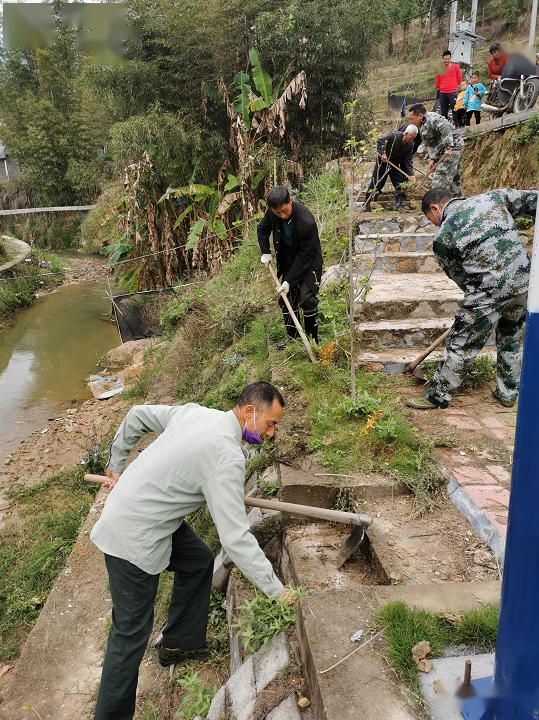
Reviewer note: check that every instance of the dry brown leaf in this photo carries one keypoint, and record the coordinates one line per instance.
(303, 703)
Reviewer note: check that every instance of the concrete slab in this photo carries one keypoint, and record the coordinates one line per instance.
(287, 710)
(320, 488)
(415, 332)
(404, 295)
(438, 687)
(363, 684)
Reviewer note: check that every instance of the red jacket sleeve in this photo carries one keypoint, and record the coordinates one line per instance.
(458, 74)
(437, 81)
(491, 67)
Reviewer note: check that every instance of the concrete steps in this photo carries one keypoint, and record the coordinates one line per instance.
(396, 360)
(397, 262)
(393, 243)
(409, 296)
(420, 332)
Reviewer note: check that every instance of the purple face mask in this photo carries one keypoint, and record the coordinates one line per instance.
(253, 438)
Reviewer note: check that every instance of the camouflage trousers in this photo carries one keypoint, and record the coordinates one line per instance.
(471, 330)
(447, 173)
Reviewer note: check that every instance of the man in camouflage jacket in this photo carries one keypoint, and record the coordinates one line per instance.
(478, 247)
(444, 145)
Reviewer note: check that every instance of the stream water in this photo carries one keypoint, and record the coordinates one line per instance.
(46, 352)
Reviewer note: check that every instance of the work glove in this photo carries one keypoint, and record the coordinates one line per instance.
(284, 288)
(266, 259)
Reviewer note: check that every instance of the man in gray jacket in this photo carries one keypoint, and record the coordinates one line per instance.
(197, 458)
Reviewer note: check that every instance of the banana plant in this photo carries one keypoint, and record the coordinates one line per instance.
(257, 117)
(205, 209)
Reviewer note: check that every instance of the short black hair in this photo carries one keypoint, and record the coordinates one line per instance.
(446, 52)
(260, 394)
(435, 195)
(417, 109)
(494, 47)
(277, 196)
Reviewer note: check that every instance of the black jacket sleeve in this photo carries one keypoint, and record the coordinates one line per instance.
(381, 144)
(308, 249)
(264, 230)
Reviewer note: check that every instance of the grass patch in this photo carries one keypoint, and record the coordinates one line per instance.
(371, 435)
(34, 552)
(404, 627)
(19, 293)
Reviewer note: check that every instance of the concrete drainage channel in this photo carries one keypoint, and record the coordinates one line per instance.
(342, 676)
(265, 685)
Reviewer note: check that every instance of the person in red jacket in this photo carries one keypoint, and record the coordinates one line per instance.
(447, 84)
(497, 61)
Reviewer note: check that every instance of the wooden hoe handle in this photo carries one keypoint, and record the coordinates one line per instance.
(292, 508)
(297, 323)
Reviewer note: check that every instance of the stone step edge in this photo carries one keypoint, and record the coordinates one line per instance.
(406, 324)
(372, 236)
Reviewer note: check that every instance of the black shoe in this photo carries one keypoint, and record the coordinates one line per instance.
(285, 343)
(178, 656)
(398, 202)
(367, 203)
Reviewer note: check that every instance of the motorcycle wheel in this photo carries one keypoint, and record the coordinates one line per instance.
(529, 98)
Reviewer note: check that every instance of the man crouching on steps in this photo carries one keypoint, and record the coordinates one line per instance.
(197, 458)
(478, 247)
(299, 258)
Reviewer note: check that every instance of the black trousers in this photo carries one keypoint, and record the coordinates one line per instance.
(304, 296)
(133, 594)
(382, 171)
(447, 101)
(459, 116)
(468, 118)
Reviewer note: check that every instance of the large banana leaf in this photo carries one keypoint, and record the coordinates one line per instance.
(261, 77)
(194, 234)
(242, 100)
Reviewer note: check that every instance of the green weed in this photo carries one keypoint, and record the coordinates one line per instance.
(481, 371)
(262, 618)
(404, 627)
(197, 696)
(269, 488)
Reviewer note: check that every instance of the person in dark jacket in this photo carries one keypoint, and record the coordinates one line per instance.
(299, 257)
(398, 148)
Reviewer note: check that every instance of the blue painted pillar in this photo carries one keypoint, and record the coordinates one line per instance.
(517, 648)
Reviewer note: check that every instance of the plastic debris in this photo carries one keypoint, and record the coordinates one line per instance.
(356, 637)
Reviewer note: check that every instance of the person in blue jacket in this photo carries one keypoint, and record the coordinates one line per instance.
(472, 99)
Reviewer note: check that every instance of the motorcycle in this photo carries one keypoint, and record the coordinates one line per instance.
(512, 95)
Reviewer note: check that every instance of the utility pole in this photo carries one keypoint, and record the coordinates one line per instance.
(533, 23)
(473, 17)
(453, 17)
(516, 681)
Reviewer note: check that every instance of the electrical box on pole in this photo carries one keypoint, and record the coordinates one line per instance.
(462, 36)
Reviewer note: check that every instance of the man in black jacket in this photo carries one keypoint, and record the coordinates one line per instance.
(298, 254)
(398, 148)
